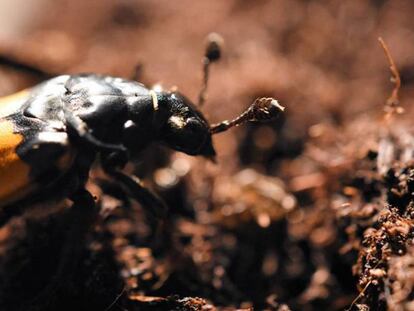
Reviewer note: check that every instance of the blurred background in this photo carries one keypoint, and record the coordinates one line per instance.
(281, 220)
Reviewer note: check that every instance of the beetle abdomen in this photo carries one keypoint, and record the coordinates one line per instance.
(14, 173)
(32, 152)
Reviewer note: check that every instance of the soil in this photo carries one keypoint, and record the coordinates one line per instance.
(314, 211)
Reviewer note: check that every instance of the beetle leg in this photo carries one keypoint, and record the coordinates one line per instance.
(48, 144)
(132, 185)
(113, 160)
(47, 153)
(79, 128)
(155, 206)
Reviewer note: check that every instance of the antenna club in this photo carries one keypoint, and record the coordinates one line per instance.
(214, 46)
(264, 109)
(212, 54)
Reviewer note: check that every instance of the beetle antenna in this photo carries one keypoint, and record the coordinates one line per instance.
(211, 55)
(138, 72)
(263, 109)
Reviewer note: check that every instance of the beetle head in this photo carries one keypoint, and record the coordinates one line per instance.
(185, 128)
(175, 121)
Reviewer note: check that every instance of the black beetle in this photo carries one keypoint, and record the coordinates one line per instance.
(51, 135)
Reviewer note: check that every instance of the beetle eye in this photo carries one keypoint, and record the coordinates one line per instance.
(194, 125)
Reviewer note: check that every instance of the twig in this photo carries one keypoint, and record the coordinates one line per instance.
(361, 293)
(392, 101)
(116, 299)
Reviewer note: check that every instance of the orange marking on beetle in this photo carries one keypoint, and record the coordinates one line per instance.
(14, 173)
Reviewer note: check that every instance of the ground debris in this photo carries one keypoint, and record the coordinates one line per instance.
(311, 212)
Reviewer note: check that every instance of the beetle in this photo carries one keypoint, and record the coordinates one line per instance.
(51, 134)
